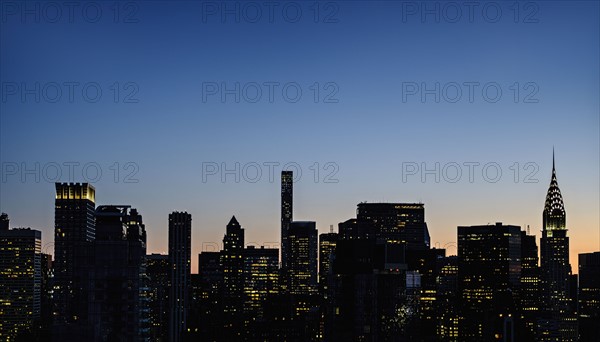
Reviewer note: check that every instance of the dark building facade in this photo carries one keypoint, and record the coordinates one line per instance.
(261, 282)
(74, 233)
(489, 269)
(394, 221)
(302, 273)
(327, 243)
(117, 300)
(158, 272)
(232, 261)
(287, 211)
(20, 282)
(180, 258)
(589, 297)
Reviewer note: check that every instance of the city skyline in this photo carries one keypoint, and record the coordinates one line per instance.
(273, 240)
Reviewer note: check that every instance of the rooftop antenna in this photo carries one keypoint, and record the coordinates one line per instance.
(527, 229)
(331, 228)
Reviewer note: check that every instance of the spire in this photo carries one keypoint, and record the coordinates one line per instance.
(553, 169)
(554, 201)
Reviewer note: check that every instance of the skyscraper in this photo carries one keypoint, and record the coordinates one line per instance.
(529, 302)
(180, 258)
(287, 201)
(261, 275)
(20, 281)
(327, 243)
(589, 297)
(117, 276)
(489, 270)
(74, 232)
(555, 268)
(232, 260)
(302, 272)
(394, 221)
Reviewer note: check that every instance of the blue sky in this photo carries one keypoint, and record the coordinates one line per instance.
(166, 58)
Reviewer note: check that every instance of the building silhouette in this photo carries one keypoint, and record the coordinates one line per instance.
(327, 243)
(558, 321)
(20, 282)
(74, 233)
(261, 282)
(232, 261)
(302, 242)
(589, 297)
(180, 255)
(118, 298)
(158, 272)
(287, 211)
(489, 272)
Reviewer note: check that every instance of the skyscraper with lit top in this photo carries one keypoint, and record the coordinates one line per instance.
(559, 322)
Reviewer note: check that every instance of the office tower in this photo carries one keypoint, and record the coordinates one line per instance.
(20, 281)
(327, 243)
(261, 281)
(158, 272)
(287, 201)
(349, 229)
(207, 305)
(555, 268)
(302, 242)
(394, 221)
(4, 221)
(180, 258)
(489, 269)
(117, 276)
(446, 308)
(367, 292)
(589, 297)
(74, 232)
(529, 302)
(232, 261)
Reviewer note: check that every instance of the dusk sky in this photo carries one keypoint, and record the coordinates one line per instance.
(371, 119)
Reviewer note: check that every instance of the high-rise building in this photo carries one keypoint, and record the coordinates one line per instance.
(558, 309)
(366, 293)
(20, 281)
(446, 307)
(74, 232)
(394, 221)
(261, 280)
(489, 270)
(118, 295)
(302, 272)
(287, 201)
(232, 261)
(327, 243)
(589, 297)
(529, 302)
(207, 299)
(158, 271)
(180, 258)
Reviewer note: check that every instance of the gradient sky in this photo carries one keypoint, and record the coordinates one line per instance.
(369, 50)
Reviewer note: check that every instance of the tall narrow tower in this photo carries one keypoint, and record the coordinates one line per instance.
(74, 233)
(555, 266)
(180, 258)
(287, 191)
